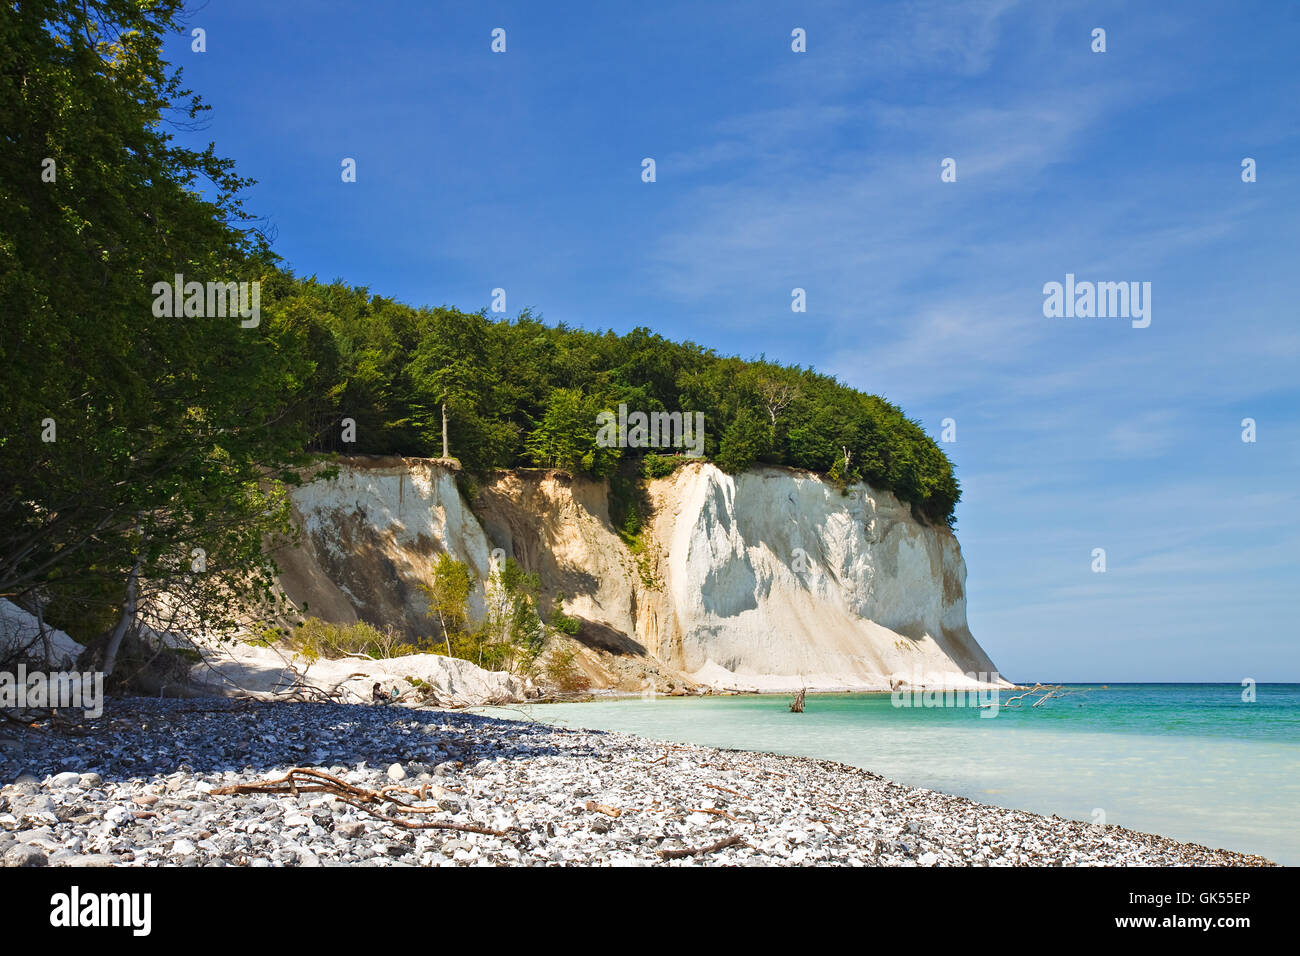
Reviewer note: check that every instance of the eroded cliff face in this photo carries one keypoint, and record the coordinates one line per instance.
(783, 581)
(769, 580)
(368, 537)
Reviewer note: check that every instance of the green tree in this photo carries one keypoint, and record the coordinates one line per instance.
(567, 435)
(744, 441)
(513, 627)
(130, 437)
(448, 593)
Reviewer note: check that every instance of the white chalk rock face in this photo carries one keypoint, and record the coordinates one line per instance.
(770, 580)
(558, 525)
(369, 537)
(776, 580)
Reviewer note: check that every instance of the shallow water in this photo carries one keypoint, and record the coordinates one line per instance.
(1189, 761)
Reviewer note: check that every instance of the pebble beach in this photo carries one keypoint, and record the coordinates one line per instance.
(166, 783)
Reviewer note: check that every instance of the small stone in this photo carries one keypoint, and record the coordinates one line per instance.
(24, 855)
(350, 831)
(396, 772)
(89, 781)
(65, 779)
(38, 805)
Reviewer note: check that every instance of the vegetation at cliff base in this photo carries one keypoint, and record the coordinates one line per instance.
(510, 636)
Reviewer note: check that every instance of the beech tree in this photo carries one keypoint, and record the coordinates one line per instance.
(448, 593)
(566, 437)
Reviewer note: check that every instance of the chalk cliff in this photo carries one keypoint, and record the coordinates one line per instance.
(770, 580)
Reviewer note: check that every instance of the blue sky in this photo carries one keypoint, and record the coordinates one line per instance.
(821, 170)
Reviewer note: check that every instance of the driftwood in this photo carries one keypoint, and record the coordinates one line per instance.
(796, 706)
(305, 780)
(664, 759)
(700, 851)
(718, 813)
(1050, 691)
(714, 786)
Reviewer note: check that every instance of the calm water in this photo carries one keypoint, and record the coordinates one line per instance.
(1189, 761)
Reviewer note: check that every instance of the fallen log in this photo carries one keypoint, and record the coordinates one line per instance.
(363, 798)
(700, 851)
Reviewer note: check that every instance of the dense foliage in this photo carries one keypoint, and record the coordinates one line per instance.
(131, 445)
(521, 392)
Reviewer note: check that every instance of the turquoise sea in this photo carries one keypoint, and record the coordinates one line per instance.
(1190, 761)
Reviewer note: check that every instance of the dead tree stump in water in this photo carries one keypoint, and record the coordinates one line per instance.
(796, 706)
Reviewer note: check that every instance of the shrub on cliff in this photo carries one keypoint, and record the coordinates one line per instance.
(315, 639)
(660, 466)
(562, 671)
(563, 622)
(448, 594)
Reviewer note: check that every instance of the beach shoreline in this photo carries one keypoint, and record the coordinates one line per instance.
(140, 787)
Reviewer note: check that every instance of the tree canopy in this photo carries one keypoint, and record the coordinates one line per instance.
(521, 392)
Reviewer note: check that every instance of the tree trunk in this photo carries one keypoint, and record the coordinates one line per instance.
(124, 622)
(445, 453)
(47, 646)
(445, 636)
